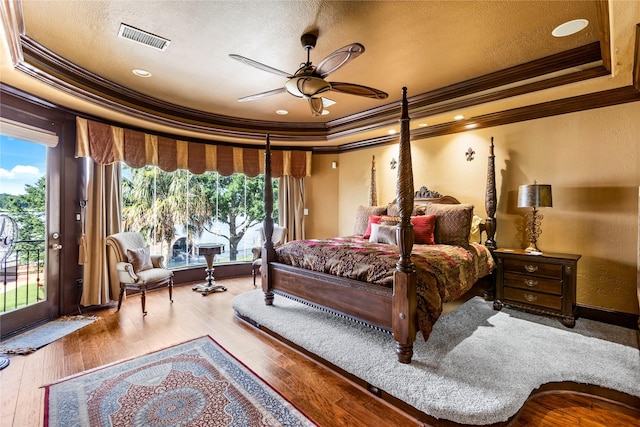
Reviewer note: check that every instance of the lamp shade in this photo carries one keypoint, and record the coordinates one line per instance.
(536, 195)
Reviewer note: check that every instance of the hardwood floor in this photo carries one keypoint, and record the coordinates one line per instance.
(328, 398)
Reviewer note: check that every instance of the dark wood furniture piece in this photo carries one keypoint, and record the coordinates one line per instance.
(542, 284)
(209, 250)
(392, 309)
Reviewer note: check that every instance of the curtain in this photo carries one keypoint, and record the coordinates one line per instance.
(291, 206)
(104, 213)
(106, 144)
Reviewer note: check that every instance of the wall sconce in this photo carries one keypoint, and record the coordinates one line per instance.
(393, 163)
(469, 154)
(334, 165)
(534, 196)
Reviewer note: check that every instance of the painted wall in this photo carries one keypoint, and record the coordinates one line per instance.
(591, 159)
(321, 197)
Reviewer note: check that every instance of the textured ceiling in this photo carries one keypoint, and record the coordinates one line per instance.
(424, 45)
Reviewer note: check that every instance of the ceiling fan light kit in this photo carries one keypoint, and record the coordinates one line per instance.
(307, 86)
(308, 81)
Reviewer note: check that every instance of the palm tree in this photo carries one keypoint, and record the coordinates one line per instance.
(150, 205)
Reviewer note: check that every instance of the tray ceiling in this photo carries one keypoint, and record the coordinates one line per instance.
(425, 46)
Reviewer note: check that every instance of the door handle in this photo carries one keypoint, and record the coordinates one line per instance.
(56, 247)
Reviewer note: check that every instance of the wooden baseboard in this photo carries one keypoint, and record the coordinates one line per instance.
(618, 318)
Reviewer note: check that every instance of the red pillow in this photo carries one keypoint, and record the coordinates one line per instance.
(373, 219)
(424, 227)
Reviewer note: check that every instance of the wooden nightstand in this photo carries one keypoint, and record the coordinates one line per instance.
(543, 284)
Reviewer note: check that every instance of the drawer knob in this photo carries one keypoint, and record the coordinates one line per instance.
(530, 283)
(531, 268)
(530, 298)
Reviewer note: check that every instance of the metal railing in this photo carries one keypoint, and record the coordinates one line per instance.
(22, 276)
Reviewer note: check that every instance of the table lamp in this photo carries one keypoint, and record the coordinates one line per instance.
(534, 196)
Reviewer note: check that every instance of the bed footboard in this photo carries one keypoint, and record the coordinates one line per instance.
(362, 302)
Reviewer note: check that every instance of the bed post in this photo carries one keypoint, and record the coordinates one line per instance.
(404, 321)
(268, 252)
(491, 201)
(373, 188)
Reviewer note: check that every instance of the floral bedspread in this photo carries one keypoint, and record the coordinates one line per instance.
(444, 272)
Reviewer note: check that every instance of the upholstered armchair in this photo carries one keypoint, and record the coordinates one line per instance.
(278, 238)
(131, 265)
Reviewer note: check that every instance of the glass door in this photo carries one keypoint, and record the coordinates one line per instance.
(29, 233)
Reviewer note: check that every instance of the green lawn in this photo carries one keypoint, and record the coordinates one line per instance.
(9, 298)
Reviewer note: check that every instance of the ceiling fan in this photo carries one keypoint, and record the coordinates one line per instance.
(308, 81)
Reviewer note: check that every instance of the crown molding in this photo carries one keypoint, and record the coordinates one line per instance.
(52, 69)
(583, 63)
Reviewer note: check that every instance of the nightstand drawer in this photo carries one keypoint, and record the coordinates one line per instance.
(534, 298)
(533, 267)
(533, 283)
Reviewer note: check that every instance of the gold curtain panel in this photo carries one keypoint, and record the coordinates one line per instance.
(107, 144)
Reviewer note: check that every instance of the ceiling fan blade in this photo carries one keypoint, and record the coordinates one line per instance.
(262, 94)
(316, 106)
(359, 90)
(339, 58)
(259, 65)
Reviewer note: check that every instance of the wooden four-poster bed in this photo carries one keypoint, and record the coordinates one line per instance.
(404, 304)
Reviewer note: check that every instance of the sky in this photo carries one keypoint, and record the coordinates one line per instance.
(21, 163)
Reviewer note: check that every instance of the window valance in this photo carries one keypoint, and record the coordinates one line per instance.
(106, 144)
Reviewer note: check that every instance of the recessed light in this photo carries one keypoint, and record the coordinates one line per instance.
(392, 132)
(141, 73)
(471, 125)
(570, 28)
(459, 117)
(422, 125)
(282, 112)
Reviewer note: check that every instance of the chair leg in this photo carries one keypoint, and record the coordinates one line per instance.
(143, 299)
(253, 272)
(120, 297)
(171, 289)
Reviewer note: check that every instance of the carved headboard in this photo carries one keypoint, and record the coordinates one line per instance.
(424, 195)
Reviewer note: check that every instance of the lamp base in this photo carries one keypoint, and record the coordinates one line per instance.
(532, 247)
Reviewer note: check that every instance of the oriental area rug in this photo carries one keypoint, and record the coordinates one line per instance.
(479, 365)
(197, 383)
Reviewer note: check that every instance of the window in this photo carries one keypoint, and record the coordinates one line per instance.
(176, 211)
(22, 221)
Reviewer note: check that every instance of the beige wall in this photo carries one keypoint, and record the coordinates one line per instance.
(591, 158)
(321, 198)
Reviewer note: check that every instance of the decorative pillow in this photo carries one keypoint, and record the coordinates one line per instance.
(392, 210)
(383, 234)
(140, 259)
(389, 220)
(373, 219)
(419, 210)
(424, 228)
(362, 217)
(453, 223)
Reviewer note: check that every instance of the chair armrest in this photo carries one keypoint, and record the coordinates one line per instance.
(126, 273)
(257, 252)
(158, 261)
